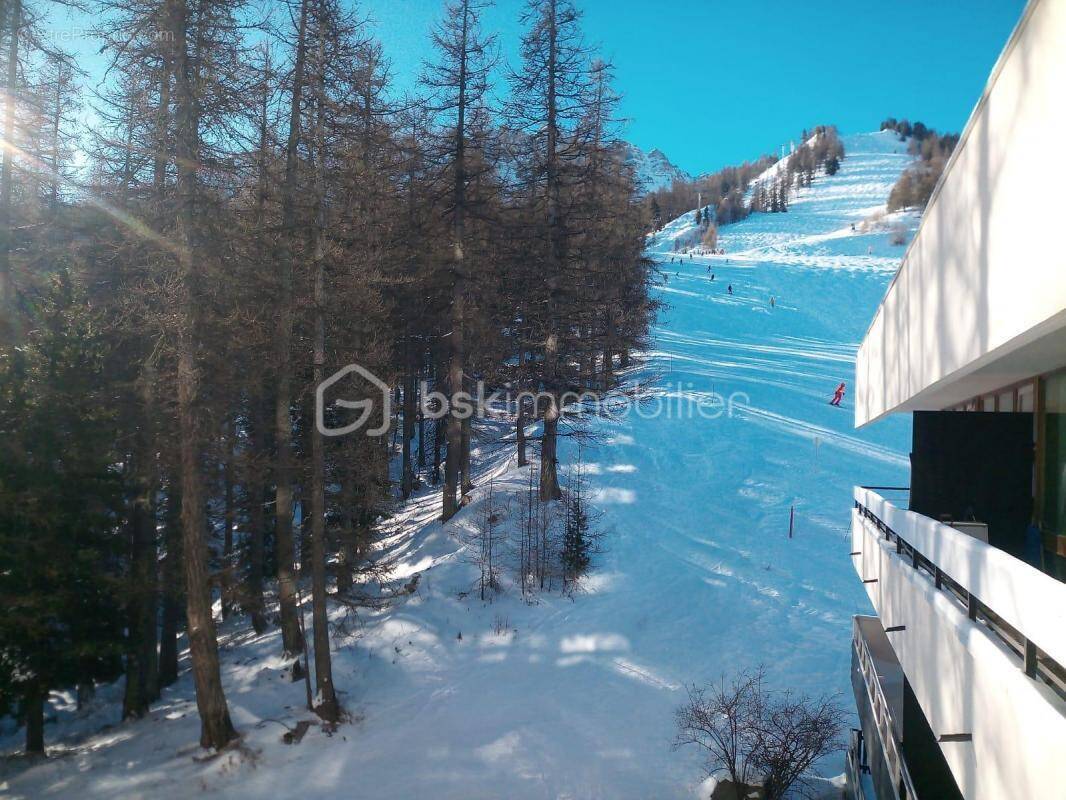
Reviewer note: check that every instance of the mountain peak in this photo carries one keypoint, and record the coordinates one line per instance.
(653, 168)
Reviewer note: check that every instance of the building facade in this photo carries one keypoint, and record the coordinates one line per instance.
(960, 679)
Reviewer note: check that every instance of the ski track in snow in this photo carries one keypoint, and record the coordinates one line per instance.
(575, 698)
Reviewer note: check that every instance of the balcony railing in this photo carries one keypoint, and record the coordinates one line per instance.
(882, 719)
(1022, 606)
(853, 766)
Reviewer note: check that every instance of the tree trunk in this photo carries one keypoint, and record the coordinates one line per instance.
(53, 199)
(454, 425)
(410, 412)
(302, 494)
(159, 167)
(292, 641)
(410, 395)
(520, 432)
(326, 699)
(520, 420)
(216, 729)
(421, 437)
(438, 440)
(142, 664)
(256, 490)
(467, 481)
(608, 352)
(397, 409)
(549, 477)
(453, 467)
(8, 315)
(34, 711)
(168, 593)
(172, 594)
(326, 707)
(150, 481)
(255, 479)
(346, 566)
(85, 692)
(226, 581)
(549, 481)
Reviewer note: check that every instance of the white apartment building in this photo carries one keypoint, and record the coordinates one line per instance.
(960, 679)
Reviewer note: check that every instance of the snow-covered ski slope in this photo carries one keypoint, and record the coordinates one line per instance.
(575, 698)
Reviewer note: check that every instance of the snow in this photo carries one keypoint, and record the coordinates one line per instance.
(574, 697)
(653, 169)
(767, 176)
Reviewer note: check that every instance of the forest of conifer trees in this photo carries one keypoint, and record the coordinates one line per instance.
(732, 193)
(242, 207)
(932, 151)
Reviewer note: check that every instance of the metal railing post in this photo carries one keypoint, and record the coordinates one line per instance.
(1029, 662)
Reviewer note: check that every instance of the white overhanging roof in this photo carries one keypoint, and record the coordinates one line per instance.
(979, 301)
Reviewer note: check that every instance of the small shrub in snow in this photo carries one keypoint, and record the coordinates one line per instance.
(710, 237)
(556, 542)
(486, 542)
(874, 222)
(581, 539)
(538, 541)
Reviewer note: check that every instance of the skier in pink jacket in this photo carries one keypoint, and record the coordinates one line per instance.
(838, 395)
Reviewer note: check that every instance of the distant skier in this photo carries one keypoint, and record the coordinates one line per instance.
(838, 395)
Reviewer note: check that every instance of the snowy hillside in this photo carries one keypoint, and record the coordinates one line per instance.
(653, 169)
(574, 698)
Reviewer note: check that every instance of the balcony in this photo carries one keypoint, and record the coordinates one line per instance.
(855, 768)
(980, 638)
(876, 764)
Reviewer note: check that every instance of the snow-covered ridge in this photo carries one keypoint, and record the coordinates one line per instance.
(771, 174)
(840, 221)
(653, 169)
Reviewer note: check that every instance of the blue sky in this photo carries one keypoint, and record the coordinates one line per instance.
(712, 82)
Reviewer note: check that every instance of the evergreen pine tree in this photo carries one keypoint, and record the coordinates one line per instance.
(60, 510)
